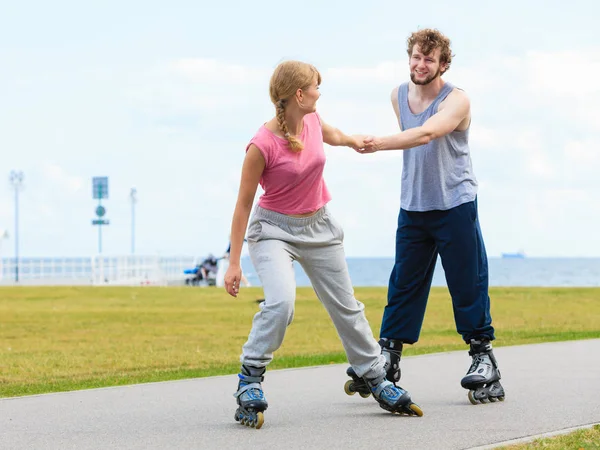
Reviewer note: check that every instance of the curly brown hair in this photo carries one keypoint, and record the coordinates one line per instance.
(428, 40)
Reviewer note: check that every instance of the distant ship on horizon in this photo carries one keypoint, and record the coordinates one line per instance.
(518, 255)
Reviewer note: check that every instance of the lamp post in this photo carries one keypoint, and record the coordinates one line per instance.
(133, 199)
(16, 180)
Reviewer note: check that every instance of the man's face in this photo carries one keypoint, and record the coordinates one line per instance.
(424, 68)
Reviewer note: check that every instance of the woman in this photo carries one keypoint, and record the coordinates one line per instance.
(291, 222)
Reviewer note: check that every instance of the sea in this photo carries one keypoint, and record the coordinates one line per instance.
(511, 271)
(528, 271)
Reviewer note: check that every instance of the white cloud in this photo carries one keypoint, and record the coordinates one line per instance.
(197, 86)
(539, 165)
(531, 142)
(386, 72)
(562, 74)
(202, 70)
(486, 138)
(581, 162)
(59, 177)
(560, 82)
(551, 210)
(585, 153)
(5, 212)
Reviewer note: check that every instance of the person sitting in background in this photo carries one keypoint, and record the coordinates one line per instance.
(208, 266)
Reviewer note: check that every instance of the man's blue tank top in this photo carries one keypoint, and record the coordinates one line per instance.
(438, 175)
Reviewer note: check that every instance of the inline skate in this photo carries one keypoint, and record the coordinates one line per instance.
(250, 397)
(392, 398)
(391, 349)
(483, 377)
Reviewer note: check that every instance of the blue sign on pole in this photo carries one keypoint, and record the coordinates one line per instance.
(99, 192)
(100, 187)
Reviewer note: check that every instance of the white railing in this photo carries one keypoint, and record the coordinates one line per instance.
(128, 270)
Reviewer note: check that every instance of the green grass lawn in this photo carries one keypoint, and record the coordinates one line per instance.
(586, 439)
(66, 338)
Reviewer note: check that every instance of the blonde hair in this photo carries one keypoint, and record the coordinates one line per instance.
(288, 77)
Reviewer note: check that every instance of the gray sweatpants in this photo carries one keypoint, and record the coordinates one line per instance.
(275, 241)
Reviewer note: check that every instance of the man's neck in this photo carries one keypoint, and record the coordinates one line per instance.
(428, 91)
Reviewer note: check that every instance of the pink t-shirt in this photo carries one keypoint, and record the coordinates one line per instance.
(293, 181)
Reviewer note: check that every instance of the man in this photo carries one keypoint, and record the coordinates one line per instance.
(438, 215)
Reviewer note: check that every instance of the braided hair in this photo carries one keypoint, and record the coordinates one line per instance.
(288, 77)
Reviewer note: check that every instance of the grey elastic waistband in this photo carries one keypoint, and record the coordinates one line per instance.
(288, 220)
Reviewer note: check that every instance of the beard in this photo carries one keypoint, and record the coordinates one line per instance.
(427, 80)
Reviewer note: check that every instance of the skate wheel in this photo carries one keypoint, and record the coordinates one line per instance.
(260, 419)
(493, 399)
(364, 394)
(472, 398)
(236, 417)
(501, 398)
(348, 386)
(416, 410)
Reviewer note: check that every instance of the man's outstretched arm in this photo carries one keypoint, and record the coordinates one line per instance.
(440, 124)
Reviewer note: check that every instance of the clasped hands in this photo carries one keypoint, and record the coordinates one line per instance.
(365, 144)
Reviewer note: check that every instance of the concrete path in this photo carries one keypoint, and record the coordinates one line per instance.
(549, 387)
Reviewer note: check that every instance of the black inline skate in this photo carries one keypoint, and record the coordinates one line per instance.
(250, 397)
(391, 349)
(483, 377)
(356, 384)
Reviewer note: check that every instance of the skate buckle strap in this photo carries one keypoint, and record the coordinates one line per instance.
(393, 393)
(375, 381)
(243, 389)
(480, 351)
(392, 345)
(251, 379)
(480, 346)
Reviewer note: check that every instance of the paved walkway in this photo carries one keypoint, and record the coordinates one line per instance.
(549, 387)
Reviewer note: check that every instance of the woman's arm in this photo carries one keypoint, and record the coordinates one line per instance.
(252, 169)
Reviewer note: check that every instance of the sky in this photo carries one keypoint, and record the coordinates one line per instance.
(163, 97)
